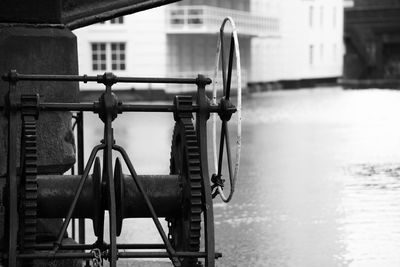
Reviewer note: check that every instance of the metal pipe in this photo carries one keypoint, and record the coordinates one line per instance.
(149, 205)
(151, 254)
(81, 166)
(125, 107)
(82, 180)
(156, 254)
(88, 255)
(92, 246)
(67, 106)
(59, 255)
(102, 79)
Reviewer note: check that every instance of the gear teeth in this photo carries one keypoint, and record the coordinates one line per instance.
(184, 233)
(29, 184)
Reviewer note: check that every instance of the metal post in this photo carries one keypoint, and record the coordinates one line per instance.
(107, 163)
(201, 126)
(12, 192)
(81, 159)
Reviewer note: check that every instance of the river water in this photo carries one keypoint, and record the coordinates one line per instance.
(319, 181)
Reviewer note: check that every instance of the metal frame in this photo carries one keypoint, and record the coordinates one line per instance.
(108, 108)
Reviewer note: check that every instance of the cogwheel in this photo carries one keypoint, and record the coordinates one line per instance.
(29, 186)
(185, 227)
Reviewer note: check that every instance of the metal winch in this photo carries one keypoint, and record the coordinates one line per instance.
(184, 196)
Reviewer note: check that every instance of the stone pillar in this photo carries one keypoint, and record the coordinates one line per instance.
(42, 49)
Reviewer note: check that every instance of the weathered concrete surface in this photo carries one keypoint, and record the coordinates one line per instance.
(40, 50)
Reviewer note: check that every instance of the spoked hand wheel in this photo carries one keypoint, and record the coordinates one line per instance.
(226, 110)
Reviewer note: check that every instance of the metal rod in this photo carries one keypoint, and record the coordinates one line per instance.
(228, 154)
(12, 221)
(201, 126)
(102, 79)
(108, 137)
(149, 108)
(81, 159)
(221, 147)
(157, 223)
(125, 107)
(157, 80)
(107, 106)
(88, 255)
(141, 246)
(77, 194)
(64, 246)
(151, 254)
(73, 228)
(61, 255)
(223, 63)
(92, 246)
(73, 222)
(67, 106)
(230, 62)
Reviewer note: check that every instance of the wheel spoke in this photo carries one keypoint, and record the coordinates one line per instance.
(227, 87)
(228, 154)
(221, 148)
(223, 63)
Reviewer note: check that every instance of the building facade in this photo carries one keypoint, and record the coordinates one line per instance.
(279, 40)
(309, 46)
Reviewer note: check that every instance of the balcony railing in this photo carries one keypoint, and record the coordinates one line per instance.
(207, 19)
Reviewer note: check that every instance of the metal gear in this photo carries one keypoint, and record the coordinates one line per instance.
(185, 227)
(29, 186)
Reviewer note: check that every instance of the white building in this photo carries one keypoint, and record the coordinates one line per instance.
(279, 40)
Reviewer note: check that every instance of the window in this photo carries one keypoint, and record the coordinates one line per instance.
(117, 56)
(195, 16)
(108, 56)
(99, 56)
(177, 16)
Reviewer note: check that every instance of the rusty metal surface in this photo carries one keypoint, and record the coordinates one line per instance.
(154, 196)
(57, 191)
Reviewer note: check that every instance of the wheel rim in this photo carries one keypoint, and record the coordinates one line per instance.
(226, 71)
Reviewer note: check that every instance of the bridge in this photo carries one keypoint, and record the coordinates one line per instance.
(372, 40)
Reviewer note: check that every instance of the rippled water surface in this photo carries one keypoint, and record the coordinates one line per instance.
(319, 180)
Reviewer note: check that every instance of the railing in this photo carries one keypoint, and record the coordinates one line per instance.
(176, 88)
(207, 19)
